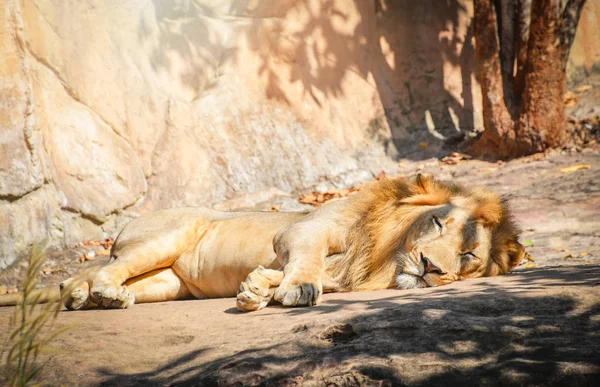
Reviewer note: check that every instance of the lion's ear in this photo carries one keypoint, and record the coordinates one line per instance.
(425, 192)
(515, 252)
(506, 257)
(425, 183)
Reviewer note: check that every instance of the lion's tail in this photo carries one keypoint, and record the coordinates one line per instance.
(38, 296)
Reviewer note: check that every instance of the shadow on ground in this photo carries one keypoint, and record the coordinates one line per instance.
(543, 329)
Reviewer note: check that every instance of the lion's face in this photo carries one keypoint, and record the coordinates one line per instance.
(448, 242)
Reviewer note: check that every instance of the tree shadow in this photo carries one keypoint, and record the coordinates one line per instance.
(311, 50)
(490, 336)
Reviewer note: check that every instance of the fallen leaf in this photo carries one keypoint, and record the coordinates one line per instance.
(50, 270)
(275, 208)
(570, 99)
(570, 256)
(575, 168)
(318, 198)
(423, 144)
(107, 243)
(583, 88)
(488, 170)
(584, 254)
(530, 265)
(528, 243)
(455, 157)
(534, 157)
(529, 257)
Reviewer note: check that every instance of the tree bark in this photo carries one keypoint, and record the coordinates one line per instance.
(499, 134)
(529, 117)
(505, 9)
(523, 17)
(542, 119)
(570, 19)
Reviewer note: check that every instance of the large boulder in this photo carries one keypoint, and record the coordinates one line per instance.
(108, 110)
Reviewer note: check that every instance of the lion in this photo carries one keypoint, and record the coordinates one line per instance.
(395, 233)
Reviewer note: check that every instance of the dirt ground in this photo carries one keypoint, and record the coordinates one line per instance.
(537, 326)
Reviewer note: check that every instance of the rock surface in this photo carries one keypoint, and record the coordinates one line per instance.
(112, 109)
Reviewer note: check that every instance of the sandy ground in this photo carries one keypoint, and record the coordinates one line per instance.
(536, 326)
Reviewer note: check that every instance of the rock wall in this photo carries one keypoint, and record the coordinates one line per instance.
(109, 109)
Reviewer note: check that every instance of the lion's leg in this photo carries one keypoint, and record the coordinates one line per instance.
(108, 284)
(158, 285)
(302, 252)
(76, 293)
(301, 249)
(258, 289)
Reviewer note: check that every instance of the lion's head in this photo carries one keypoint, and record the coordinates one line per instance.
(421, 232)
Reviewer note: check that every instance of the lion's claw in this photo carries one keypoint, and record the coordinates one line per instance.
(112, 297)
(306, 294)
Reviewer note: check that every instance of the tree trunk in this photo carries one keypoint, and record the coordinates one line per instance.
(522, 18)
(529, 117)
(499, 135)
(542, 120)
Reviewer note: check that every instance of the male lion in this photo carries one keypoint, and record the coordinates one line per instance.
(396, 233)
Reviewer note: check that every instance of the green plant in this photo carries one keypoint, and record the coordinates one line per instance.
(31, 325)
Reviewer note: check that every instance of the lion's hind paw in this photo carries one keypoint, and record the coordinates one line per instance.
(258, 288)
(76, 294)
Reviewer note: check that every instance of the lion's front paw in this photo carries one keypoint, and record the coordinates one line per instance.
(306, 294)
(112, 297)
(256, 292)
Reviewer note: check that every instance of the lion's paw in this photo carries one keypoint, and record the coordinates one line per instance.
(306, 294)
(110, 297)
(76, 295)
(258, 288)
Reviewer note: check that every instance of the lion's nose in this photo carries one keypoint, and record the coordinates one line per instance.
(430, 267)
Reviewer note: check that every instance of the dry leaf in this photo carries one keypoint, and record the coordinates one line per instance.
(575, 168)
(570, 256)
(318, 198)
(50, 270)
(455, 157)
(584, 254)
(534, 157)
(488, 170)
(583, 88)
(275, 208)
(530, 265)
(107, 243)
(528, 257)
(570, 99)
(423, 144)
